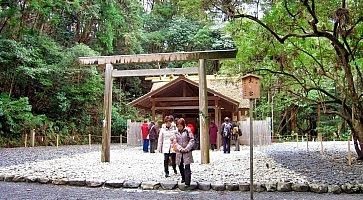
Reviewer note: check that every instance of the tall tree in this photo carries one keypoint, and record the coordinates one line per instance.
(335, 28)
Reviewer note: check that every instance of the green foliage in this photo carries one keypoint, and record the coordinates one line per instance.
(16, 116)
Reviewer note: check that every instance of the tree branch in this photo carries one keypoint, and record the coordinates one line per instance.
(326, 93)
(311, 10)
(349, 31)
(279, 38)
(283, 73)
(288, 10)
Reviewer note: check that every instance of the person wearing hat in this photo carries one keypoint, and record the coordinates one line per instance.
(226, 132)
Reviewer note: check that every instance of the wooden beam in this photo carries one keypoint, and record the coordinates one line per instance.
(180, 108)
(158, 57)
(107, 107)
(158, 99)
(154, 72)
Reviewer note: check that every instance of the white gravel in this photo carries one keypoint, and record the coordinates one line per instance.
(277, 162)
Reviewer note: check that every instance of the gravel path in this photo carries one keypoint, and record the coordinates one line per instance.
(279, 162)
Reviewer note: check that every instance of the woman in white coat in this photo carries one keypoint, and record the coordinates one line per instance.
(167, 133)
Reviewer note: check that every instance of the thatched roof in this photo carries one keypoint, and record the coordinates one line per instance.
(228, 86)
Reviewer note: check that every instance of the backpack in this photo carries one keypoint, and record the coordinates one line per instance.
(195, 145)
(227, 129)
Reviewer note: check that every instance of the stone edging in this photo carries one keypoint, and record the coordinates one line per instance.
(205, 186)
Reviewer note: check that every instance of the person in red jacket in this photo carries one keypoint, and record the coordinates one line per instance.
(191, 127)
(213, 131)
(145, 136)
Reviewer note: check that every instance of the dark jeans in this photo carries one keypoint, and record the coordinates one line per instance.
(185, 172)
(166, 162)
(226, 145)
(153, 145)
(213, 146)
(145, 146)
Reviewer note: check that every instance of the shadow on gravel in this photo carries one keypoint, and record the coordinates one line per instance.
(330, 167)
(16, 156)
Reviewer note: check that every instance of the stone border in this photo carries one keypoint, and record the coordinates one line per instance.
(348, 188)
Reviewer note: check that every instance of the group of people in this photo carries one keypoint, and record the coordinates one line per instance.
(229, 132)
(176, 141)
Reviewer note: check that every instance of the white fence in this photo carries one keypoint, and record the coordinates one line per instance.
(134, 133)
(261, 132)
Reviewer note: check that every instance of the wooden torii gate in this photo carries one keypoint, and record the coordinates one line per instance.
(111, 73)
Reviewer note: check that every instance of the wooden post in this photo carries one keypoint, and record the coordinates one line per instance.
(297, 140)
(320, 138)
(121, 138)
(251, 148)
(219, 138)
(107, 107)
(57, 140)
(203, 113)
(307, 142)
(349, 152)
(89, 140)
(33, 137)
(26, 140)
(216, 120)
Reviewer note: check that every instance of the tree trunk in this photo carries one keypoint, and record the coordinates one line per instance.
(357, 131)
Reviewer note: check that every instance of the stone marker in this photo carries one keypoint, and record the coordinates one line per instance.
(244, 187)
(284, 186)
(77, 181)
(183, 187)
(205, 186)
(95, 182)
(319, 188)
(150, 185)
(300, 187)
(232, 186)
(114, 183)
(271, 187)
(335, 189)
(218, 186)
(132, 184)
(168, 185)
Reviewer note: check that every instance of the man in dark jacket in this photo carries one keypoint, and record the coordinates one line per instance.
(153, 136)
(226, 132)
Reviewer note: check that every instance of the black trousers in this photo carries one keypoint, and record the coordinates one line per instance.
(166, 162)
(153, 145)
(185, 172)
(226, 144)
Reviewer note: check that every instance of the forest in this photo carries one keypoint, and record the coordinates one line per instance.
(309, 53)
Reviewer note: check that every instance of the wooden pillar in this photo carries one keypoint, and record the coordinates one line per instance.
(216, 119)
(251, 148)
(33, 137)
(203, 113)
(153, 117)
(219, 138)
(107, 108)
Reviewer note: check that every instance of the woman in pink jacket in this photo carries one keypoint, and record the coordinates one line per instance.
(183, 145)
